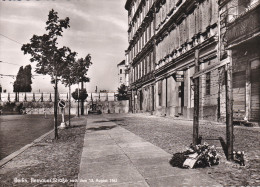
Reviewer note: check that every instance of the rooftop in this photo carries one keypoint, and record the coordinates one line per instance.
(121, 63)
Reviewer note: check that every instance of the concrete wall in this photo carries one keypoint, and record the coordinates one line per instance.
(104, 106)
(46, 96)
(39, 107)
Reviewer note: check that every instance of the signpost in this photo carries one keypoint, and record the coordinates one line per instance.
(62, 105)
(179, 76)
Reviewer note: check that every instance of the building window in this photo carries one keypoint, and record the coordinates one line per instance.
(145, 66)
(120, 71)
(208, 83)
(143, 70)
(133, 75)
(160, 92)
(150, 32)
(242, 5)
(120, 79)
(136, 73)
(140, 70)
(151, 61)
(146, 36)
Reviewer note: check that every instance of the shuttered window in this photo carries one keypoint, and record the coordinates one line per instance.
(160, 92)
(239, 96)
(208, 83)
(255, 93)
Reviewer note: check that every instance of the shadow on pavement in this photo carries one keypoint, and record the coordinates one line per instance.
(102, 121)
(110, 120)
(115, 120)
(75, 126)
(101, 128)
(224, 146)
(122, 124)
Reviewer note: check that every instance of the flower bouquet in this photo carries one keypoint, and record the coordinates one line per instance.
(202, 155)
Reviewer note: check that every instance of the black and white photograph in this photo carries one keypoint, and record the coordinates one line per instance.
(129, 93)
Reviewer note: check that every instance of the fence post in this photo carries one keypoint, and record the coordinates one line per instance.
(196, 101)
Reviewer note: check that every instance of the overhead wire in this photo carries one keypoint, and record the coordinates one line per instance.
(11, 39)
(9, 63)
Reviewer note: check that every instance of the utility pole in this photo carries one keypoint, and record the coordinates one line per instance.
(196, 101)
(229, 109)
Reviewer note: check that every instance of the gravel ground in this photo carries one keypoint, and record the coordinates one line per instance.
(56, 160)
(176, 135)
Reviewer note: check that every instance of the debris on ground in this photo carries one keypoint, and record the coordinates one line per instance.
(202, 155)
(239, 157)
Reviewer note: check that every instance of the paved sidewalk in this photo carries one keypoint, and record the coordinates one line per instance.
(113, 156)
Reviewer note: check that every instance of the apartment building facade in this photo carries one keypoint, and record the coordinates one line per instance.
(162, 66)
(140, 54)
(242, 38)
(163, 38)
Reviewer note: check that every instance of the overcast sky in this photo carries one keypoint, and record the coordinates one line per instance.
(97, 27)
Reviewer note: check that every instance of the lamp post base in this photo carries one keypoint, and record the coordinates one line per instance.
(63, 125)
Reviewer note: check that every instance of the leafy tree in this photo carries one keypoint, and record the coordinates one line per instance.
(23, 80)
(68, 78)
(18, 82)
(51, 60)
(122, 92)
(80, 95)
(75, 72)
(27, 73)
(80, 70)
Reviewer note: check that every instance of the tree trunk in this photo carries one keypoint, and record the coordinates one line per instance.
(56, 109)
(16, 97)
(69, 102)
(78, 99)
(82, 101)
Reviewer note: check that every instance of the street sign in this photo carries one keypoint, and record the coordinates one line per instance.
(62, 104)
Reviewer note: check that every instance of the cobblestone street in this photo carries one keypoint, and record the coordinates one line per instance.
(174, 135)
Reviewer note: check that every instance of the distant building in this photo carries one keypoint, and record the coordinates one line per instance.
(122, 76)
